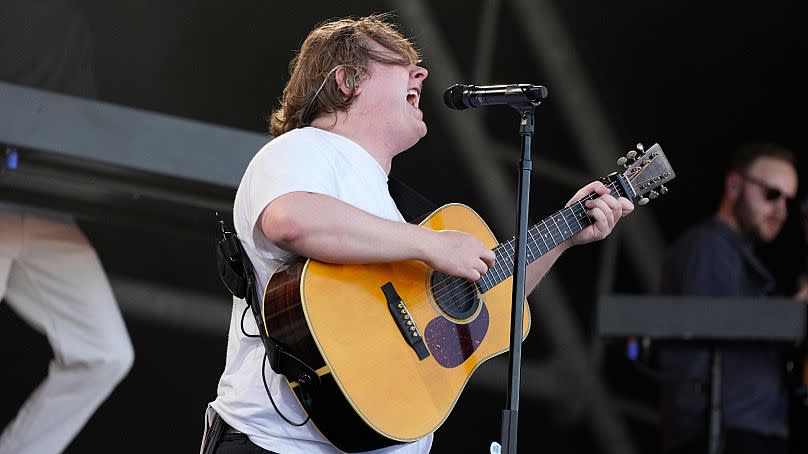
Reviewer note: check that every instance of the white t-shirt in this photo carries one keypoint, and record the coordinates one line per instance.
(309, 160)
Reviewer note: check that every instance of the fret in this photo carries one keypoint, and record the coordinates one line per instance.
(486, 278)
(542, 237)
(584, 217)
(546, 234)
(505, 260)
(571, 220)
(529, 248)
(534, 246)
(511, 255)
(569, 230)
(536, 235)
(506, 268)
(577, 217)
(500, 270)
(499, 265)
(557, 229)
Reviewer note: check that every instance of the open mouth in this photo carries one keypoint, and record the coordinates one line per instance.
(413, 97)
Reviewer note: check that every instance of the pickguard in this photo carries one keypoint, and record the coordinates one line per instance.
(452, 343)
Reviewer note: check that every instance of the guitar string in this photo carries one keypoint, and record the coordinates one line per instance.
(471, 289)
(470, 292)
(418, 299)
(460, 282)
(468, 287)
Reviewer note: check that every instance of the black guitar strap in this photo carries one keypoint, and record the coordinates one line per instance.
(238, 275)
(412, 205)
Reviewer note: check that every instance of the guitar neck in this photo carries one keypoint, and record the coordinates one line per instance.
(542, 237)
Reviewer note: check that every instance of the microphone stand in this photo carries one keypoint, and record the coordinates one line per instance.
(524, 98)
(510, 416)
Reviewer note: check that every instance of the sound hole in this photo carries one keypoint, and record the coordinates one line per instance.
(455, 296)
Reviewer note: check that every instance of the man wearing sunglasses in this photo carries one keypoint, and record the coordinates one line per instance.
(716, 259)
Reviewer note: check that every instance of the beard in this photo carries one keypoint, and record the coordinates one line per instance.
(749, 229)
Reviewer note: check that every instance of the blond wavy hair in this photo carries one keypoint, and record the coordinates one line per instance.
(312, 89)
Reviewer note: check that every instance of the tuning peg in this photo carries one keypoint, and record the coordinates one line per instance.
(640, 147)
(622, 161)
(653, 194)
(642, 201)
(632, 154)
(663, 190)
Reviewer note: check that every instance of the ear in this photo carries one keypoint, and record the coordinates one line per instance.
(732, 184)
(348, 81)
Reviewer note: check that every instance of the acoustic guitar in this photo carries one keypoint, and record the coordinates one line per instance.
(394, 344)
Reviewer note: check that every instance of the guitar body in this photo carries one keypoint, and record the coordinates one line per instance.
(377, 390)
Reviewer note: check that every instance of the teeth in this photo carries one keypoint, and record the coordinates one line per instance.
(412, 97)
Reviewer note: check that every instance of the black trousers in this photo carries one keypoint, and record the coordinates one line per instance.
(238, 443)
(220, 438)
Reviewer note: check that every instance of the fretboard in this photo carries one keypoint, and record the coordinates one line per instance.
(541, 238)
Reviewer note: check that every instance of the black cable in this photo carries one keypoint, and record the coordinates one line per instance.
(240, 280)
(264, 376)
(266, 387)
(242, 324)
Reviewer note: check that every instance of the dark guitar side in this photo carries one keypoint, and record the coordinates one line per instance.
(332, 414)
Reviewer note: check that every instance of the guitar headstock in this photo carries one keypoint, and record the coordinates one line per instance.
(645, 174)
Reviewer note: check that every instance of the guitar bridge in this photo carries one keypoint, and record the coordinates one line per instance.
(404, 321)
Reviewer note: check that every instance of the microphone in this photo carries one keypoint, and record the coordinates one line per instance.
(461, 97)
